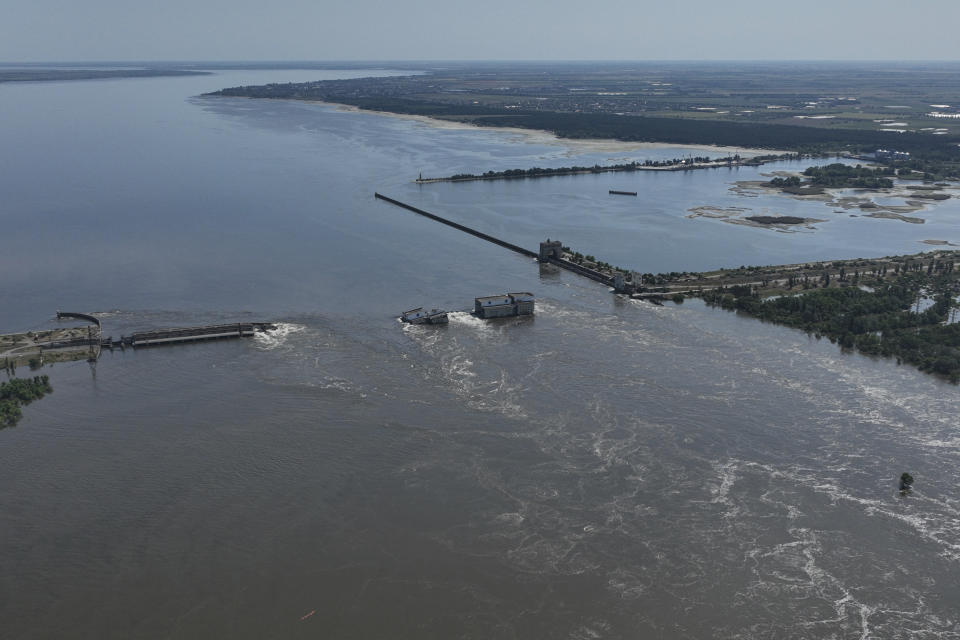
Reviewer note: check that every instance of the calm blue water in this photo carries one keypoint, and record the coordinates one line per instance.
(607, 469)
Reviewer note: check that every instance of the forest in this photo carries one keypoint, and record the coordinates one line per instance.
(888, 319)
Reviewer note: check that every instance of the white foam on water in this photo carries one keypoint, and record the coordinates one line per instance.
(881, 399)
(466, 319)
(109, 314)
(454, 355)
(513, 518)
(592, 631)
(728, 475)
(796, 568)
(649, 307)
(940, 527)
(423, 334)
(628, 585)
(277, 337)
(324, 384)
(953, 443)
(792, 568)
(499, 395)
(336, 383)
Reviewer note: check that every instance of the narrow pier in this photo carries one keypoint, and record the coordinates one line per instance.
(553, 257)
(455, 225)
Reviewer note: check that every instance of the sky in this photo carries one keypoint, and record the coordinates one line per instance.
(143, 30)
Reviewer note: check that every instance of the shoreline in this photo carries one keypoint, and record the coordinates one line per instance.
(542, 136)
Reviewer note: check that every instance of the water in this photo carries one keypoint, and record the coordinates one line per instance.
(606, 469)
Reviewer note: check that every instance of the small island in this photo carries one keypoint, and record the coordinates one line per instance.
(788, 220)
(735, 215)
(867, 191)
(675, 164)
(836, 176)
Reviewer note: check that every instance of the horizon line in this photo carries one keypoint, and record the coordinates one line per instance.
(369, 61)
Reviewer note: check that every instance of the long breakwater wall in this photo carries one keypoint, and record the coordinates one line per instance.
(563, 264)
(461, 227)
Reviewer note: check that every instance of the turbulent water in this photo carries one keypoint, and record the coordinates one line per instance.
(605, 469)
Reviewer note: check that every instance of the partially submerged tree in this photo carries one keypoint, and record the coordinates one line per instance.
(906, 481)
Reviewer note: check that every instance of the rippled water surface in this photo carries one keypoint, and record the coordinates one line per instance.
(605, 469)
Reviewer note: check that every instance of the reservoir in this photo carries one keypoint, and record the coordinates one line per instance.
(604, 469)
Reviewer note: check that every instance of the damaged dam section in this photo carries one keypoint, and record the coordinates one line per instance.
(36, 348)
(896, 306)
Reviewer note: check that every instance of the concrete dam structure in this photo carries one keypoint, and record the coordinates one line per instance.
(504, 306)
(550, 252)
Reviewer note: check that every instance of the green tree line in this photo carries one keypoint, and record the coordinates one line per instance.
(537, 172)
(881, 322)
(842, 175)
(18, 392)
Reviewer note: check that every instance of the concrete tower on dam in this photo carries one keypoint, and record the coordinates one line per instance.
(551, 249)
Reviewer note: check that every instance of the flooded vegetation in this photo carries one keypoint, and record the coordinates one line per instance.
(17, 392)
(877, 320)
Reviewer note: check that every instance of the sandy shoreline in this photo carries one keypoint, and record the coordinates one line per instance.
(864, 203)
(539, 136)
(736, 215)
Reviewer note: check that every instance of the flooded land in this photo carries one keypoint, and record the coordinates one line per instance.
(607, 468)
